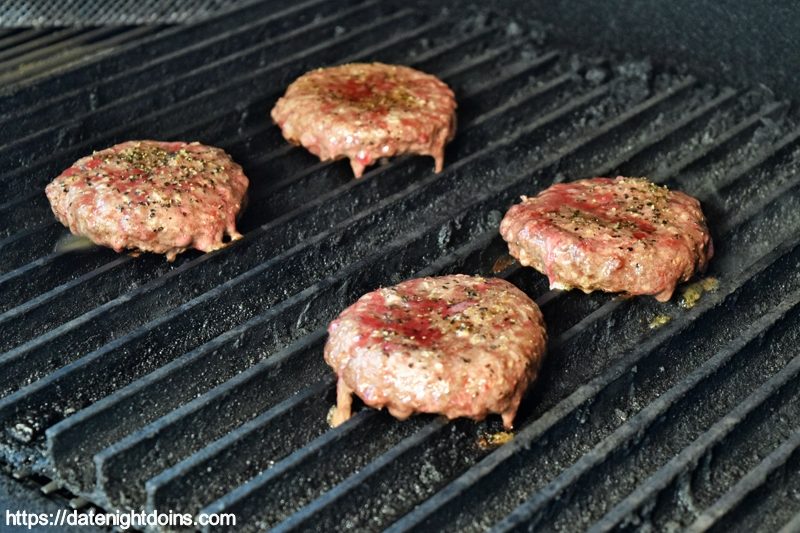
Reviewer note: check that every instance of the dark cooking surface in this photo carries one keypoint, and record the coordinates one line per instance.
(201, 385)
(29, 54)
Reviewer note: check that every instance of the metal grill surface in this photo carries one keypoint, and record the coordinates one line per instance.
(200, 385)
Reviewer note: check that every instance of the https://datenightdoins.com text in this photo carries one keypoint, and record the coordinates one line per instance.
(122, 520)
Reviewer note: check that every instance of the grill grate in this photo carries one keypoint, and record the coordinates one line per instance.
(16, 13)
(202, 384)
(28, 55)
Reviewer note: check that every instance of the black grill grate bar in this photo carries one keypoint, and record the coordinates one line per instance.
(531, 510)
(18, 312)
(10, 281)
(51, 133)
(655, 100)
(754, 480)
(27, 246)
(54, 224)
(743, 173)
(65, 448)
(279, 470)
(66, 59)
(570, 405)
(224, 89)
(678, 129)
(23, 270)
(256, 429)
(763, 205)
(765, 156)
(264, 230)
(81, 38)
(723, 143)
(37, 112)
(55, 37)
(690, 457)
(14, 202)
(363, 476)
(786, 150)
(19, 37)
(61, 87)
(23, 213)
(22, 235)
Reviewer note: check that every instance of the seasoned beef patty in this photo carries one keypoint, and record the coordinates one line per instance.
(161, 197)
(456, 345)
(618, 235)
(366, 111)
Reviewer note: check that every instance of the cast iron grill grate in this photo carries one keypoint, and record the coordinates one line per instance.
(30, 54)
(200, 385)
(44, 13)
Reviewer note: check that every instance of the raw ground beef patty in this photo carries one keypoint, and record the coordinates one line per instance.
(367, 111)
(457, 345)
(618, 235)
(162, 197)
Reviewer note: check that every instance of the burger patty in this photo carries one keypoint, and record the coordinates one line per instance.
(456, 345)
(367, 111)
(617, 235)
(162, 197)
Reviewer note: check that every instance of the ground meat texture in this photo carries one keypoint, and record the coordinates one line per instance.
(368, 111)
(617, 235)
(162, 197)
(456, 345)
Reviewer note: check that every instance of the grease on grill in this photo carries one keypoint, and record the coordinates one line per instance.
(503, 263)
(658, 321)
(74, 243)
(691, 294)
(493, 440)
(329, 416)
